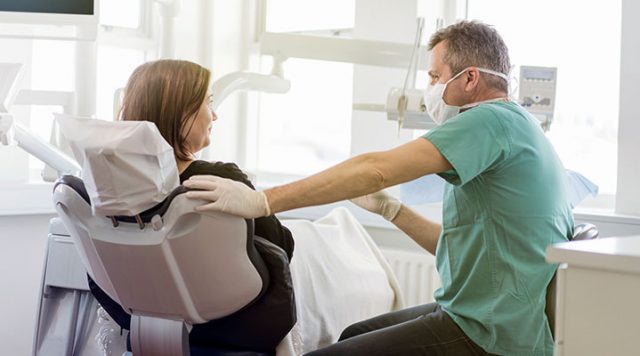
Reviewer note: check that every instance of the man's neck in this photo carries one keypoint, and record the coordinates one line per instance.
(489, 94)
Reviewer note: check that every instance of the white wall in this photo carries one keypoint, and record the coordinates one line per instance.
(23, 240)
(628, 194)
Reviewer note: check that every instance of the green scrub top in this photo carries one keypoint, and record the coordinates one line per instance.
(506, 202)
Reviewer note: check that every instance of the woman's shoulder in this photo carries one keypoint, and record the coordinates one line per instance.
(228, 170)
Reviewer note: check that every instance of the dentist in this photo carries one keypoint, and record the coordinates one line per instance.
(504, 204)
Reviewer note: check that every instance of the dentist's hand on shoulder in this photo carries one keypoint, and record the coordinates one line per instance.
(227, 196)
(381, 203)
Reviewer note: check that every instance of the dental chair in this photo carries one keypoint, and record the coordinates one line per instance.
(580, 232)
(167, 265)
(153, 265)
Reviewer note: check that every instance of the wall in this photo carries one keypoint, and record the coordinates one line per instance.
(628, 194)
(23, 240)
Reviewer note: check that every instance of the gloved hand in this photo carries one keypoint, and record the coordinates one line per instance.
(228, 196)
(380, 203)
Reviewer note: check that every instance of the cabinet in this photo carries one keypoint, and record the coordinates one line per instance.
(598, 296)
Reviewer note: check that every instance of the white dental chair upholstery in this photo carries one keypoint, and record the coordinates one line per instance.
(580, 232)
(142, 242)
(153, 264)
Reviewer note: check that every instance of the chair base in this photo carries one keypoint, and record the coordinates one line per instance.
(155, 337)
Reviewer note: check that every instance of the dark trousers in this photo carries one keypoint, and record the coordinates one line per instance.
(421, 330)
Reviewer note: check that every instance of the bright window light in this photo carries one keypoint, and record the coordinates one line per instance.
(120, 13)
(307, 129)
(53, 65)
(581, 39)
(115, 65)
(49, 72)
(295, 15)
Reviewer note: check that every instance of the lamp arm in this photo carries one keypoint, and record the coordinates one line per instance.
(232, 82)
(12, 132)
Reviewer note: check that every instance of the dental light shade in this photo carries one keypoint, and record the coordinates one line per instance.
(229, 83)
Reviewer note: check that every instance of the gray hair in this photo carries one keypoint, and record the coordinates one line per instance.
(472, 43)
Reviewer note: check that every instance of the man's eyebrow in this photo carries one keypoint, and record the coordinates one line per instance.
(432, 73)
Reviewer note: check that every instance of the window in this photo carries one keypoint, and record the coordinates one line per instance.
(115, 65)
(48, 72)
(292, 15)
(121, 49)
(120, 13)
(50, 65)
(581, 39)
(307, 129)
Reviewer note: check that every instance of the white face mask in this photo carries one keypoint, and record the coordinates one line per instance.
(441, 111)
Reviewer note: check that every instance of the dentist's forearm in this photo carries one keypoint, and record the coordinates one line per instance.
(360, 175)
(355, 177)
(421, 230)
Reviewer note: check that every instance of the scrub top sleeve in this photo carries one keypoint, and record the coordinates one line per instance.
(473, 142)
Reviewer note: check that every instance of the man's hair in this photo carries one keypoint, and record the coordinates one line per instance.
(472, 43)
(168, 93)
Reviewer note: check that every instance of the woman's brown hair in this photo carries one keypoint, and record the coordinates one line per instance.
(168, 93)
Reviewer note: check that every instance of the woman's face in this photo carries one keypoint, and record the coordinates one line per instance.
(199, 130)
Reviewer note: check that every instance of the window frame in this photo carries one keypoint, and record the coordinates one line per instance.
(36, 194)
(606, 203)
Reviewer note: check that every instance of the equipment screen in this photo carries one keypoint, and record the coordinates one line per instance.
(71, 7)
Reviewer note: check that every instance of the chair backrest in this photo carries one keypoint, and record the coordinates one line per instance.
(580, 232)
(181, 265)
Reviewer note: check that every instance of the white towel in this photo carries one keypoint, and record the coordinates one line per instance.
(340, 277)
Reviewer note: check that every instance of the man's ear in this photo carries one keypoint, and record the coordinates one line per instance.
(472, 79)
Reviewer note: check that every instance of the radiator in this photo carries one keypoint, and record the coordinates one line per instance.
(416, 274)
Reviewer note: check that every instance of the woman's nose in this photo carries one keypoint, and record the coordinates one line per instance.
(214, 117)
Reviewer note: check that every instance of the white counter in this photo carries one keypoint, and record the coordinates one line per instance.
(613, 253)
(598, 300)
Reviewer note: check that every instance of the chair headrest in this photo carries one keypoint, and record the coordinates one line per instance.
(127, 166)
(159, 209)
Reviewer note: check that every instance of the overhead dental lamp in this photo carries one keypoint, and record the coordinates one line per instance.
(403, 104)
(406, 105)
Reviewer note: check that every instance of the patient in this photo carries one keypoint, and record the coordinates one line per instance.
(174, 95)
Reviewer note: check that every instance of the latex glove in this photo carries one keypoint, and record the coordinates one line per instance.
(228, 196)
(380, 203)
